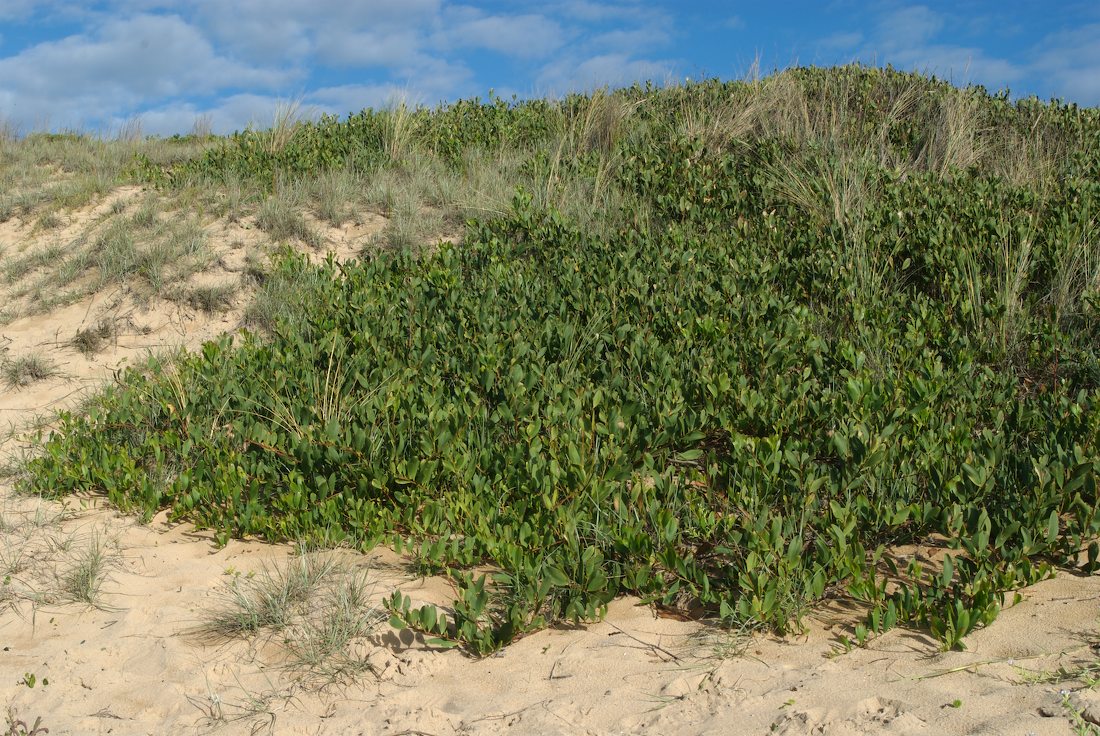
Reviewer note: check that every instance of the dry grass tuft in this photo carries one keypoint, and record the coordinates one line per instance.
(27, 369)
(318, 607)
(90, 340)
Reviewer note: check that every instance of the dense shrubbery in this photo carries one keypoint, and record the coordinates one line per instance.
(802, 353)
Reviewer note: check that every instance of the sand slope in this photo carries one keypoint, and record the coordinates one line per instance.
(137, 664)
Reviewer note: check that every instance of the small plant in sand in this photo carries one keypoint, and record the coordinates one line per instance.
(32, 542)
(90, 340)
(48, 221)
(212, 297)
(146, 216)
(18, 727)
(279, 217)
(320, 609)
(24, 370)
(1084, 673)
(81, 578)
(332, 195)
(1082, 721)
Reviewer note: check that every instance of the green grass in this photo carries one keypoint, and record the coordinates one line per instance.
(334, 194)
(43, 561)
(280, 217)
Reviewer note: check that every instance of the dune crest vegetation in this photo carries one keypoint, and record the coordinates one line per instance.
(725, 346)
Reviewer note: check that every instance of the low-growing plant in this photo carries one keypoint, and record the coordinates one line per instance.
(24, 370)
(728, 377)
(90, 340)
(333, 193)
(318, 606)
(146, 216)
(18, 727)
(280, 219)
(212, 298)
(81, 581)
(48, 221)
(1078, 722)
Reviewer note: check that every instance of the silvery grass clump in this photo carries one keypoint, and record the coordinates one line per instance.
(317, 606)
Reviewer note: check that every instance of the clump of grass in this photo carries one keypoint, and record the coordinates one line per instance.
(279, 217)
(90, 340)
(17, 268)
(332, 194)
(324, 643)
(281, 297)
(32, 545)
(48, 221)
(723, 642)
(255, 269)
(317, 605)
(286, 121)
(399, 125)
(115, 253)
(82, 580)
(410, 227)
(212, 298)
(270, 599)
(170, 254)
(146, 216)
(27, 369)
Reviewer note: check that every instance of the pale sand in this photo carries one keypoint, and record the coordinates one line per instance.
(137, 666)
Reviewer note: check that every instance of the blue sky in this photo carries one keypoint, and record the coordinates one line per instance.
(95, 65)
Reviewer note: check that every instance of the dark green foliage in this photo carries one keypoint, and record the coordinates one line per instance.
(359, 141)
(711, 409)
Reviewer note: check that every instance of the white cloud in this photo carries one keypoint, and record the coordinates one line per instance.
(269, 30)
(521, 36)
(1070, 60)
(120, 65)
(600, 12)
(371, 48)
(234, 112)
(908, 38)
(613, 70)
(238, 111)
(908, 27)
(629, 41)
(606, 40)
(842, 41)
(16, 9)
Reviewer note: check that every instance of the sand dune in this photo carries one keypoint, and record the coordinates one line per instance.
(139, 662)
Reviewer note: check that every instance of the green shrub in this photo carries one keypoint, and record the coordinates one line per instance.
(735, 406)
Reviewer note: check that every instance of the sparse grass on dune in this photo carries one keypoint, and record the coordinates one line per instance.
(23, 370)
(280, 216)
(213, 297)
(68, 170)
(334, 194)
(47, 558)
(142, 252)
(318, 607)
(90, 340)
